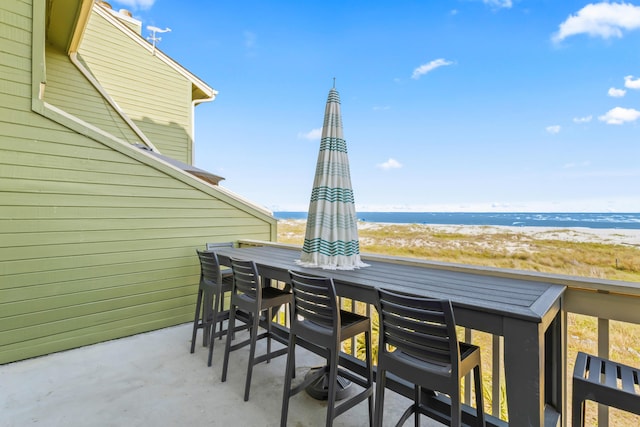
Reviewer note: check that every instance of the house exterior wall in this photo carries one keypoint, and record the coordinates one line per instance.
(153, 94)
(71, 91)
(97, 240)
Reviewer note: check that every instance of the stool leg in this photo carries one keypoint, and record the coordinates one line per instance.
(477, 379)
(333, 380)
(220, 310)
(212, 337)
(418, 402)
(455, 410)
(252, 354)
(577, 410)
(288, 376)
(369, 361)
(196, 320)
(227, 347)
(380, 385)
(207, 322)
(268, 316)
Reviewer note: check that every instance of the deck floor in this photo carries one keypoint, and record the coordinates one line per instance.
(152, 379)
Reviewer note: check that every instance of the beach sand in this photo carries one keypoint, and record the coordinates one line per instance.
(612, 236)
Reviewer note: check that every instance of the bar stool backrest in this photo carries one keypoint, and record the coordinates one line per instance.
(218, 245)
(210, 272)
(314, 312)
(426, 352)
(246, 279)
(421, 328)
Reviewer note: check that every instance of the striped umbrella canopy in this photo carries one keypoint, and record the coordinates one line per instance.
(331, 238)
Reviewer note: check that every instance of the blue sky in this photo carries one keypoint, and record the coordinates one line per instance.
(459, 105)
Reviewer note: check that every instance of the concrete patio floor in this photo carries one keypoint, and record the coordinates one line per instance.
(151, 379)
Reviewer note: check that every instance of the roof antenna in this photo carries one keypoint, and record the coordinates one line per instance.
(153, 37)
(334, 82)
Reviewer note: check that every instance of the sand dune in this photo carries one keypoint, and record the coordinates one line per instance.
(575, 234)
(612, 236)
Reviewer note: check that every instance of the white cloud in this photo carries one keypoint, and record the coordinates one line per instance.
(553, 129)
(603, 19)
(381, 107)
(630, 83)
(585, 119)
(573, 165)
(390, 164)
(313, 134)
(616, 93)
(137, 4)
(507, 4)
(425, 68)
(619, 115)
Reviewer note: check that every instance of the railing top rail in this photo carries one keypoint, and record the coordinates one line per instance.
(573, 282)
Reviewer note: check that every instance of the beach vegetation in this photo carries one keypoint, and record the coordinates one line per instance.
(484, 247)
(561, 251)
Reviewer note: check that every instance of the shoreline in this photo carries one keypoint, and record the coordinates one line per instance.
(610, 236)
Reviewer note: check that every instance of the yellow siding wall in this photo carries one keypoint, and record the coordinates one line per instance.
(153, 94)
(96, 242)
(71, 91)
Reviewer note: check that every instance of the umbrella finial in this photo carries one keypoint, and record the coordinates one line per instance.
(334, 82)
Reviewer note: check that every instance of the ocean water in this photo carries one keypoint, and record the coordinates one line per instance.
(522, 219)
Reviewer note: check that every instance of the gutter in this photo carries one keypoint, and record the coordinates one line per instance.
(193, 123)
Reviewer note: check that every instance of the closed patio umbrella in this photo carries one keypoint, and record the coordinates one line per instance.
(331, 237)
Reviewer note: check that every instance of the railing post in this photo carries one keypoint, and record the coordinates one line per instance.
(468, 336)
(496, 374)
(603, 351)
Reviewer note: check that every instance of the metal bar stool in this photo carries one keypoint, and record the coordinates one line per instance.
(250, 297)
(426, 352)
(316, 318)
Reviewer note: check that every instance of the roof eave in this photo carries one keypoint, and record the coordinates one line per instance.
(66, 22)
(199, 89)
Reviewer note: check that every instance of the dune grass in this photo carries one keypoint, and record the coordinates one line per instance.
(521, 251)
(511, 250)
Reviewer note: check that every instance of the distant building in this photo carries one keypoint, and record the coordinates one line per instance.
(101, 209)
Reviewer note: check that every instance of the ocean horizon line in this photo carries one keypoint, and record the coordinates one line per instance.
(621, 220)
(484, 212)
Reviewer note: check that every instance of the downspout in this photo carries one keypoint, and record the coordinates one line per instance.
(193, 121)
(74, 59)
